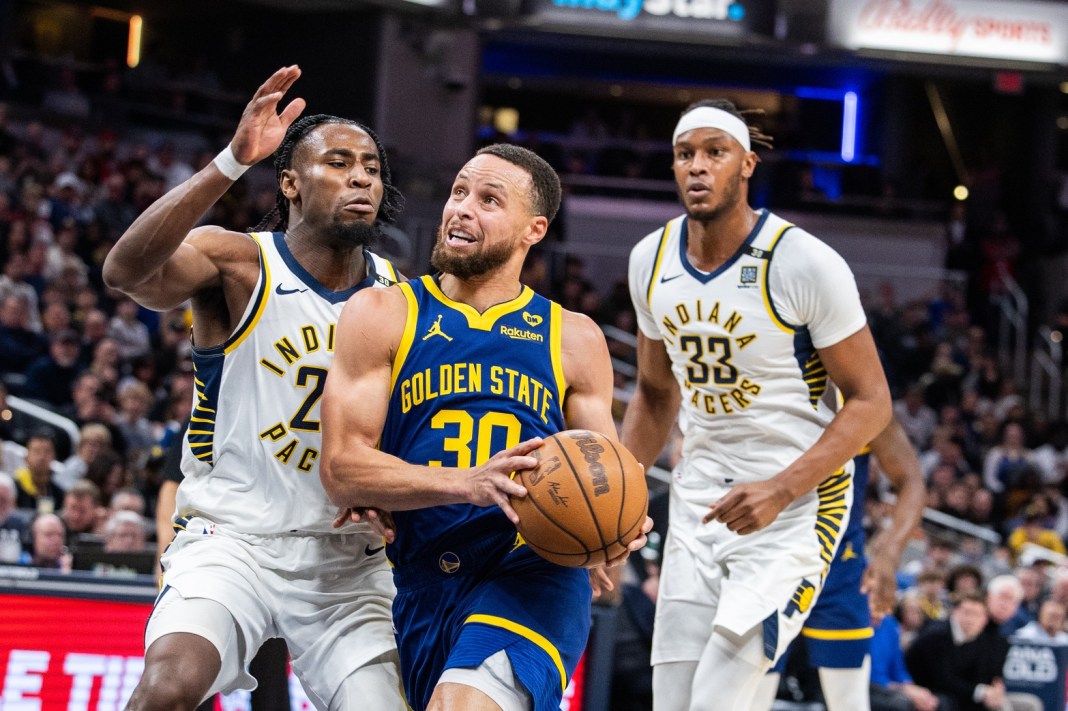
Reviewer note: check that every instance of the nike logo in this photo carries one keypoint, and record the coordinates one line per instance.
(282, 292)
(368, 550)
(666, 279)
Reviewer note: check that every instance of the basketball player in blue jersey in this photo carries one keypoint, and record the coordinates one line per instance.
(255, 555)
(859, 588)
(442, 387)
(743, 318)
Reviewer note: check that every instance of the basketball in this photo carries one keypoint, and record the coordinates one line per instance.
(586, 499)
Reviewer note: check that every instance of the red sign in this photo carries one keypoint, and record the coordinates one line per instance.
(74, 655)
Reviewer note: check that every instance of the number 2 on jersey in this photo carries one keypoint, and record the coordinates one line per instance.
(482, 436)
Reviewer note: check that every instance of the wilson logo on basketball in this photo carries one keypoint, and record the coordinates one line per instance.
(591, 452)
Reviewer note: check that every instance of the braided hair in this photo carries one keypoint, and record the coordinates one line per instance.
(278, 218)
(757, 136)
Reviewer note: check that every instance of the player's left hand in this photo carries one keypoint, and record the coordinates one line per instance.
(381, 521)
(749, 507)
(880, 585)
(636, 545)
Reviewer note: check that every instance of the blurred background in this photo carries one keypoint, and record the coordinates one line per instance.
(925, 140)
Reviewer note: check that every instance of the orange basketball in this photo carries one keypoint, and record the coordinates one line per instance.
(585, 501)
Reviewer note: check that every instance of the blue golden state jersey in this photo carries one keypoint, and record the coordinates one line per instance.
(465, 386)
(251, 453)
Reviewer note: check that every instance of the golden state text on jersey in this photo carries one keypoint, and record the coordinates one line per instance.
(254, 440)
(465, 386)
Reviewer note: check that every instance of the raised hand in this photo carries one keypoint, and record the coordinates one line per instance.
(262, 128)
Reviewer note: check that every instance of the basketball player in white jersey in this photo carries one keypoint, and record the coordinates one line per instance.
(255, 555)
(743, 318)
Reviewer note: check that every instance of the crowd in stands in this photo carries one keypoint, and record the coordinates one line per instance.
(124, 376)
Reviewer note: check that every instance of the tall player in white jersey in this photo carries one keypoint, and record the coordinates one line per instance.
(255, 555)
(743, 318)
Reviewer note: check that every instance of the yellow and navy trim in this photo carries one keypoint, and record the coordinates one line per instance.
(526, 633)
(556, 328)
(661, 248)
(408, 336)
(838, 635)
(475, 320)
(207, 379)
(765, 285)
(831, 511)
(259, 302)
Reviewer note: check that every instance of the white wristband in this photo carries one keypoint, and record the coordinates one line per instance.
(228, 165)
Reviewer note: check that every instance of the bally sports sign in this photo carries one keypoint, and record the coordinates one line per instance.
(1027, 31)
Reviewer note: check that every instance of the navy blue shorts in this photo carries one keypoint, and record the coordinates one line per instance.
(460, 606)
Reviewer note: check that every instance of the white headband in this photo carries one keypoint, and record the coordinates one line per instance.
(711, 117)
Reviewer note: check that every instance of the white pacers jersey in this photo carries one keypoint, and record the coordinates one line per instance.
(251, 459)
(742, 342)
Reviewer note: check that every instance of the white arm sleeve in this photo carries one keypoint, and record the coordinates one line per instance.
(812, 286)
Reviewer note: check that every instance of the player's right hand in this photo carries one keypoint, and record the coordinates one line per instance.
(262, 128)
(492, 483)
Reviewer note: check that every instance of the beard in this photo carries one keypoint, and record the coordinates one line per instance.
(352, 234)
(469, 265)
(728, 198)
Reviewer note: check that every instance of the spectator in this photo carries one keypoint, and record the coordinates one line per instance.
(50, 378)
(48, 544)
(88, 402)
(910, 616)
(128, 499)
(1032, 580)
(13, 281)
(961, 658)
(36, 490)
(65, 98)
(20, 345)
(129, 333)
(892, 689)
(13, 525)
(124, 532)
(135, 402)
(1049, 627)
(963, 578)
(81, 512)
(916, 417)
(114, 211)
(166, 164)
(1004, 594)
(1004, 463)
(93, 439)
(107, 363)
(1033, 530)
(108, 472)
(1051, 458)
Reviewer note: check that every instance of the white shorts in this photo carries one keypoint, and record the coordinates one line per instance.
(714, 578)
(322, 593)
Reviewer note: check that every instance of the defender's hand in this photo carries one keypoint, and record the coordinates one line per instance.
(261, 129)
(492, 482)
(880, 584)
(379, 520)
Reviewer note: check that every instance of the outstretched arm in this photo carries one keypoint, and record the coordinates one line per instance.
(153, 261)
(898, 461)
(354, 472)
